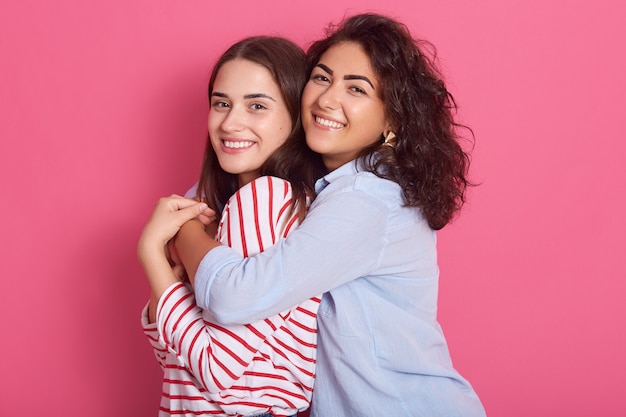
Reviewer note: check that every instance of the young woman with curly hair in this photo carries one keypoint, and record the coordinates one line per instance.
(379, 114)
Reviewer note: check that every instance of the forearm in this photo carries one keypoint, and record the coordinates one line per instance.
(310, 261)
(192, 244)
(217, 356)
(166, 219)
(157, 270)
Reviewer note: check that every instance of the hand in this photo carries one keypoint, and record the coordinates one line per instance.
(168, 216)
(207, 218)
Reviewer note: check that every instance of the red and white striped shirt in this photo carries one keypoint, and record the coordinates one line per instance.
(238, 370)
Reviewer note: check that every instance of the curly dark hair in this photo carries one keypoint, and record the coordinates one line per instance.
(426, 160)
(292, 161)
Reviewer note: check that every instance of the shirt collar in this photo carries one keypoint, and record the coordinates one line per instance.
(349, 168)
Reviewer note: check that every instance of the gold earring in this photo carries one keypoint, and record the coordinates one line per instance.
(390, 139)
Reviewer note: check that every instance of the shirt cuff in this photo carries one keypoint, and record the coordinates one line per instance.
(145, 320)
(209, 267)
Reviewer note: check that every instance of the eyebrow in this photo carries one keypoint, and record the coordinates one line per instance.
(246, 97)
(348, 76)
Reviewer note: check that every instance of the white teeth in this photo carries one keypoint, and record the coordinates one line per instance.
(329, 123)
(237, 144)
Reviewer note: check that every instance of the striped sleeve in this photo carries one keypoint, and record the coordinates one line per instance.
(216, 356)
(257, 215)
(150, 329)
(254, 218)
(152, 334)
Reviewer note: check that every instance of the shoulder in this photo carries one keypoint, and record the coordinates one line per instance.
(269, 195)
(265, 186)
(260, 212)
(191, 192)
(369, 186)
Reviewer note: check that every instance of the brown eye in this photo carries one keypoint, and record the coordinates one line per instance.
(358, 90)
(220, 104)
(320, 78)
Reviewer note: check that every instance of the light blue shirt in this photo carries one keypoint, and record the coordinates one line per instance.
(381, 351)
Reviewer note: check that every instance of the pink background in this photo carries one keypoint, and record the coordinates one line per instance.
(103, 110)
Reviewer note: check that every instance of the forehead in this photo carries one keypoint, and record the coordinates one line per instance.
(242, 75)
(348, 58)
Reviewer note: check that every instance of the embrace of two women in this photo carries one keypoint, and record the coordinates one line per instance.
(301, 271)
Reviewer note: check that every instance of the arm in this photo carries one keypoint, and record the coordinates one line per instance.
(169, 214)
(342, 238)
(196, 245)
(152, 334)
(217, 356)
(192, 244)
(148, 318)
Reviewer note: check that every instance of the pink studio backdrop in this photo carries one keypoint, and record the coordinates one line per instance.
(103, 110)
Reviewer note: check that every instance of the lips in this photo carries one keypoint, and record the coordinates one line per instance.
(329, 123)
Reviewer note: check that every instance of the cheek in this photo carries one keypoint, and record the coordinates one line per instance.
(308, 98)
(286, 124)
(277, 129)
(371, 118)
(212, 122)
(213, 131)
(275, 137)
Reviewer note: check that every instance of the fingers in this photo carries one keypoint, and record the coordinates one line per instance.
(205, 218)
(194, 209)
(176, 202)
(169, 214)
(179, 208)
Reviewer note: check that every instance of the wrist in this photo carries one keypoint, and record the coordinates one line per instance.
(147, 250)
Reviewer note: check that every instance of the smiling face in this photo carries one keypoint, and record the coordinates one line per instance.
(248, 119)
(341, 109)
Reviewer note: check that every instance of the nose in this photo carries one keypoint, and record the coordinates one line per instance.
(329, 98)
(234, 121)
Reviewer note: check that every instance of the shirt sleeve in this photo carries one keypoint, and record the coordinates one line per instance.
(341, 239)
(152, 334)
(217, 356)
(254, 218)
(191, 192)
(150, 329)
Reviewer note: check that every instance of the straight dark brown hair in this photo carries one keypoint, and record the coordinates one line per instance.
(292, 161)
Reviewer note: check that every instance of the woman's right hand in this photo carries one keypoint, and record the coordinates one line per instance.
(169, 214)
